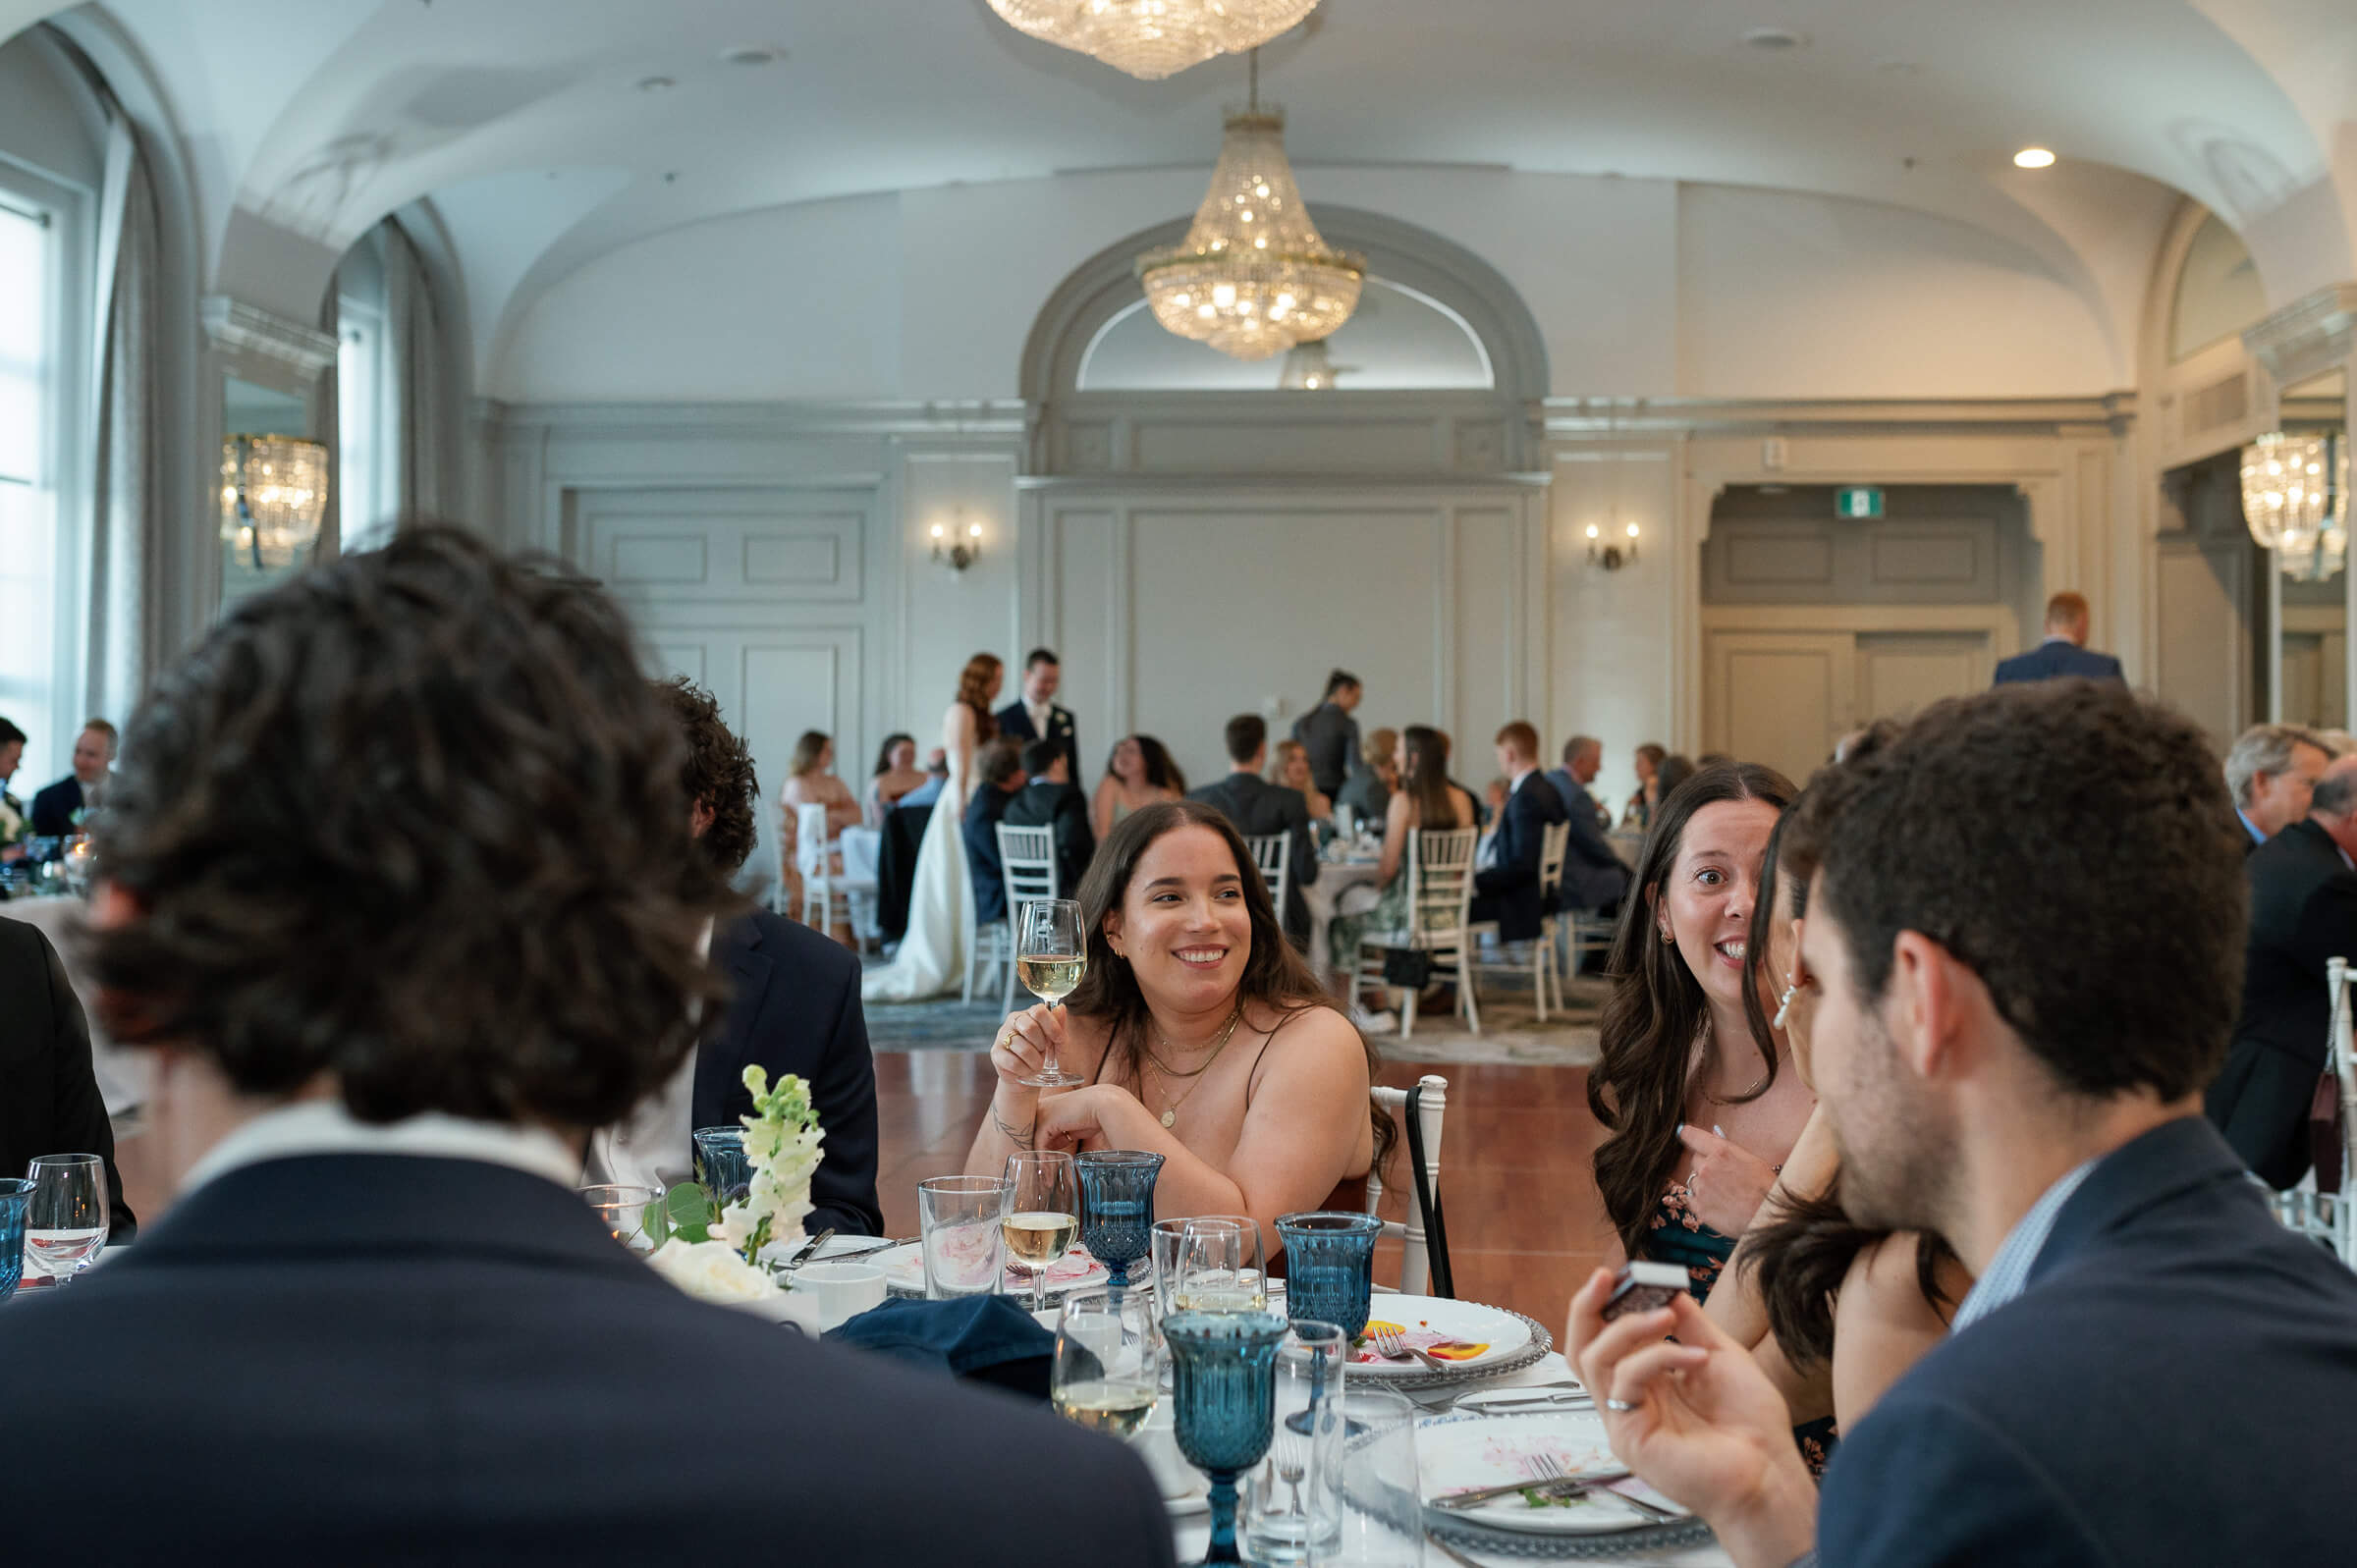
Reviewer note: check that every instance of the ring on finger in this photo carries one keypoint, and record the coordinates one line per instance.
(1619, 1406)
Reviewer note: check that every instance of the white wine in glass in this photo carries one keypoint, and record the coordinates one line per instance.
(1044, 1215)
(1108, 1368)
(1115, 1405)
(1051, 955)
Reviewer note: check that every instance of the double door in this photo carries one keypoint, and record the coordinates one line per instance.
(1785, 697)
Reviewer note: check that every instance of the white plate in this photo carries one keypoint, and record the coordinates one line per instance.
(1428, 1322)
(776, 1252)
(1466, 1453)
(904, 1271)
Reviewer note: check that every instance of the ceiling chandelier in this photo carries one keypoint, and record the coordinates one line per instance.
(2295, 500)
(1153, 38)
(1252, 276)
(273, 497)
(1309, 367)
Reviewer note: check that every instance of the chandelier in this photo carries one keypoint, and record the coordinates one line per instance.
(1252, 276)
(1153, 38)
(273, 497)
(2295, 500)
(1309, 367)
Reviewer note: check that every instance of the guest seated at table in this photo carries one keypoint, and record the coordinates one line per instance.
(1367, 793)
(61, 809)
(1202, 1035)
(1050, 799)
(1000, 764)
(15, 825)
(1259, 809)
(1593, 875)
(793, 1007)
(1139, 773)
(2146, 1364)
(52, 1106)
(1506, 888)
(936, 780)
(811, 782)
(1288, 769)
(1639, 810)
(1425, 798)
(897, 773)
(1675, 769)
(377, 1289)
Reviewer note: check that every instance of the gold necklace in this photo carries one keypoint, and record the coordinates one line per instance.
(1170, 1114)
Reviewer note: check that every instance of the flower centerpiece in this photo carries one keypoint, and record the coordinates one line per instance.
(714, 1252)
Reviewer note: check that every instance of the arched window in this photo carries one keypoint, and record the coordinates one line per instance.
(2217, 292)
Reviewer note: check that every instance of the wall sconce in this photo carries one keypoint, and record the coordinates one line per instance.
(1612, 558)
(961, 554)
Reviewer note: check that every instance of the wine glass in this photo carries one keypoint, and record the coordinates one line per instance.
(1049, 957)
(64, 1219)
(1218, 1266)
(1225, 1403)
(1116, 1206)
(1108, 1366)
(1045, 1215)
(632, 1214)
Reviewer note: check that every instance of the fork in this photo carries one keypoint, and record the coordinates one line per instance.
(1392, 1346)
(1550, 1466)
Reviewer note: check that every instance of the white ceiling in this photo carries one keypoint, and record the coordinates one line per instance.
(524, 121)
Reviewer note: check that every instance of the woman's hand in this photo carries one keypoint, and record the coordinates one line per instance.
(1728, 1184)
(1095, 1117)
(1027, 1041)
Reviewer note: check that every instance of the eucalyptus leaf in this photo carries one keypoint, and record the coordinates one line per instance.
(689, 1212)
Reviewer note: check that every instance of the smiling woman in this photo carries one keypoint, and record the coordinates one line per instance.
(1202, 1035)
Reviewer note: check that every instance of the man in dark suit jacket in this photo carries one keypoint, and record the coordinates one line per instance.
(1506, 889)
(1259, 808)
(2303, 911)
(1330, 734)
(1034, 715)
(999, 766)
(53, 808)
(2270, 769)
(2133, 1302)
(1050, 799)
(52, 1104)
(376, 1289)
(2064, 651)
(1594, 878)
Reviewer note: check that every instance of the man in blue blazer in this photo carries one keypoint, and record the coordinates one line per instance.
(2012, 1024)
(1506, 889)
(1594, 878)
(1034, 716)
(2065, 652)
(59, 809)
(377, 1326)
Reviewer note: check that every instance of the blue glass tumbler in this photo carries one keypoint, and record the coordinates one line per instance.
(1224, 1377)
(721, 1168)
(1329, 1268)
(1116, 1206)
(15, 1193)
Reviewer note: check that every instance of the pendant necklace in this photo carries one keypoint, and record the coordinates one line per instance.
(1170, 1115)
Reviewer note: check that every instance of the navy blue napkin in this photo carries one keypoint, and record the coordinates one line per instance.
(987, 1339)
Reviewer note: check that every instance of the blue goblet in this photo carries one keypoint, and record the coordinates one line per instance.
(15, 1193)
(1116, 1206)
(1224, 1366)
(721, 1167)
(1329, 1268)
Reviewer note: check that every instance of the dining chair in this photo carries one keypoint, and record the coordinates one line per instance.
(1273, 853)
(1440, 891)
(826, 891)
(1027, 869)
(1415, 1258)
(1554, 845)
(2319, 1205)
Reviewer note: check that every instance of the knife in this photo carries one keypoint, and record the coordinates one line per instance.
(803, 1254)
(1552, 1488)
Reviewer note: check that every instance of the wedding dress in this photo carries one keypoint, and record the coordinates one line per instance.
(941, 905)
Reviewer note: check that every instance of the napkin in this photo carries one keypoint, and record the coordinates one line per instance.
(987, 1339)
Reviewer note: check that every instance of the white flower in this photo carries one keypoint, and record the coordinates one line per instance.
(711, 1271)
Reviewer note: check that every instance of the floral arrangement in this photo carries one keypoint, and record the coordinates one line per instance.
(12, 820)
(714, 1254)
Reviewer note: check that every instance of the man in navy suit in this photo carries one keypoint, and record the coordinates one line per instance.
(1261, 809)
(2013, 1023)
(2064, 651)
(377, 1326)
(58, 806)
(1034, 715)
(1001, 769)
(1594, 878)
(1050, 799)
(1506, 889)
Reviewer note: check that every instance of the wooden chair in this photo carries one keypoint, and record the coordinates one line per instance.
(1027, 868)
(1554, 843)
(1415, 1259)
(1273, 853)
(826, 891)
(1440, 891)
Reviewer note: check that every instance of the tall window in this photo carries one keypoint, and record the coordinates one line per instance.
(29, 553)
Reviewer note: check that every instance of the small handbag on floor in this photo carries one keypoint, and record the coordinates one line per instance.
(1407, 969)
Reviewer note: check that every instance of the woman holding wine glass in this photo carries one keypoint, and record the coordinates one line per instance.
(1196, 1033)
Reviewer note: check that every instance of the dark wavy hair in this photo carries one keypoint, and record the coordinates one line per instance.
(1274, 974)
(883, 752)
(415, 819)
(719, 774)
(1162, 771)
(1655, 1012)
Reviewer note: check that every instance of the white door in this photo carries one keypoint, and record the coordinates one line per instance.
(1779, 698)
(1902, 673)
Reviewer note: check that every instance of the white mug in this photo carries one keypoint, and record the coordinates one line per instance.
(842, 1290)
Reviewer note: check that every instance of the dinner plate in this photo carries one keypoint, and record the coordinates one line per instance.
(1444, 1329)
(904, 1274)
(1457, 1453)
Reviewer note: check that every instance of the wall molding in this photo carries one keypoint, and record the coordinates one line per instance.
(248, 333)
(2308, 337)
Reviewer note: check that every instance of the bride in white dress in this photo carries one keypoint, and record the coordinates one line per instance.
(940, 907)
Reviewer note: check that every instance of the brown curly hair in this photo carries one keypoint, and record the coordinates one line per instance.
(414, 820)
(719, 774)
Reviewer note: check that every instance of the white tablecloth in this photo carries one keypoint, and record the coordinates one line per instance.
(122, 1072)
(1335, 877)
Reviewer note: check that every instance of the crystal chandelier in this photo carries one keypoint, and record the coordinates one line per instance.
(273, 497)
(1153, 38)
(2295, 500)
(1309, 367)
(1252, 276)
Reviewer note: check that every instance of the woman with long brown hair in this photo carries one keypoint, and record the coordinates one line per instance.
(1425, 798)
(810, 781)
(1139, 773)
(1202, 1035)
(941, 907)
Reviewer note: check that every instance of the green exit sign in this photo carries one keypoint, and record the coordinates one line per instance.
(1858, 501)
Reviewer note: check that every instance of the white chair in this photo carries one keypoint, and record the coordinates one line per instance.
(1415, 1258)
(1554, 843)
(1028, 870)
(1440, 890)
(826, 892)
(2330, 1216)
(1273, 853)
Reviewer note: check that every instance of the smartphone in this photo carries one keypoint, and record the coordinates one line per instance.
(1644, 1287)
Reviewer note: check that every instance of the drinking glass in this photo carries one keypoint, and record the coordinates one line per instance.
(632, 1213)
(1045, 1215)
(1292, 1504)
(1381, 1517)
(1108, 1366)
(1225, 1403)
(64, 1216)
(15, 1193)
(1329, 1267)
(1049, 957)
(1218, 1266)
(959, 1222)
(1163, 1249)
(1116, 1206)
(721, 1168)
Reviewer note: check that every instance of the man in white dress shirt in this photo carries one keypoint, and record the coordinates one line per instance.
(1034, 716)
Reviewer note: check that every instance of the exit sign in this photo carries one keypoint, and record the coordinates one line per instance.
(1857, 501)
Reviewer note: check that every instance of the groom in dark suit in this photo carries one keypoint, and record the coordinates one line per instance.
(475, 933)
(1034, 716)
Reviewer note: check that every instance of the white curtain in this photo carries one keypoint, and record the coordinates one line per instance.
(426, 486)
(128, 531)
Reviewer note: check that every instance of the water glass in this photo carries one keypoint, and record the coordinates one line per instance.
(1218, 1266)
(1225, 1386)
(65, 1214)
(1381, 1517)
(1108, 1366)
(15, 1193)
(959, 1220)
(1293, 1501)
(634, 1215)
(1330, 1266)
(1044, 1216)
(840, 1291)
(1163, 1249)
(721, 1167)
(1116, 1206)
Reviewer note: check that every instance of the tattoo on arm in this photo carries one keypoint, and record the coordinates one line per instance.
(1020, 1137)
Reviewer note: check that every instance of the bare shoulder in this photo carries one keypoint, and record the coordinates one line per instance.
(1313, 1043)
(1883, 1287)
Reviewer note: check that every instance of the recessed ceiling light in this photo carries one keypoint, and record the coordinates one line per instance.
(2033, 158)
(1775, 39)
(752, 54)
(656, 84)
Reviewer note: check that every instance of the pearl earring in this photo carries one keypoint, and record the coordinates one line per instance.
(1784, 1006)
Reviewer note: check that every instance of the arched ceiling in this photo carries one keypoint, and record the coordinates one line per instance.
(306, 121)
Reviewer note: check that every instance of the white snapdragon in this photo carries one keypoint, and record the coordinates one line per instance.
(711, 1271)
(781, 1141)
